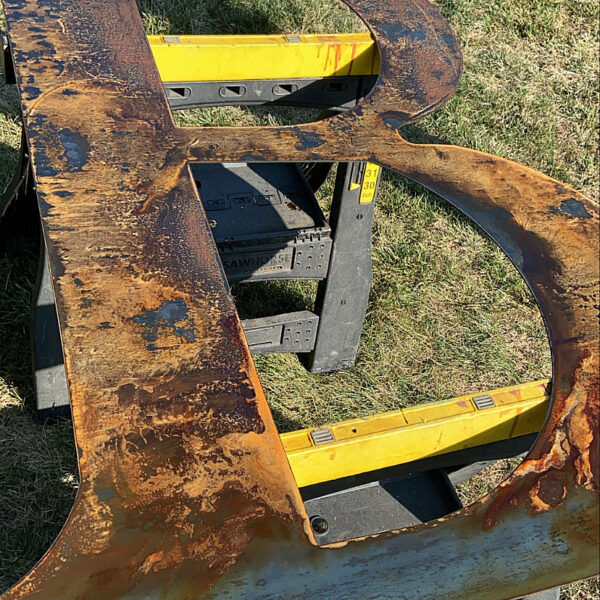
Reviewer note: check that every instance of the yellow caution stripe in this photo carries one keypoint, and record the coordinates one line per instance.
(393, 438)
(189, 58)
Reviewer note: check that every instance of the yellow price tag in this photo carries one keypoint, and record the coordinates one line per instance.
(367, 194)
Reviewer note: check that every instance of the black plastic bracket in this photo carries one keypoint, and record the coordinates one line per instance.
(382, 506)
(265, 219)
(342, 297)
(330, 92)
(288, 332)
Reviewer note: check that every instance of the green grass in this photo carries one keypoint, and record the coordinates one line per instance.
(447, 315)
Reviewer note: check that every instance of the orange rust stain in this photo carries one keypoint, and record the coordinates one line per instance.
(537, 504)
(351, 63)
(374, 57)
(513, 427)
(150, 563)
(337, 58)
(505, 498)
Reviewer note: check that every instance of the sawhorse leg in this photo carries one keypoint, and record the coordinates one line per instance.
(342, 298)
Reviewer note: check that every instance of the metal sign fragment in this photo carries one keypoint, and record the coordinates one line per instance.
(185, 488)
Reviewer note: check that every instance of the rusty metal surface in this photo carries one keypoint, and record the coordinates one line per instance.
(185, 488)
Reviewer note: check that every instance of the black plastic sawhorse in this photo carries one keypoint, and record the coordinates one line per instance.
(268, 225)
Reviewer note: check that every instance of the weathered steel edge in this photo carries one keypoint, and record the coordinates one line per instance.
(555, 468)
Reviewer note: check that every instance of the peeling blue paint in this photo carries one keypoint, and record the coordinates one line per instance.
(171, 317)
(76, 149)
(397, 31)
(573, 208)
(32, 92)
(396, 119)
(308, 139)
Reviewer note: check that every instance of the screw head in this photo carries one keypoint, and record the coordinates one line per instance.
(212, 223)
(319, 525)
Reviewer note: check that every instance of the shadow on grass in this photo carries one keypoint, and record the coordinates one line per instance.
(18, 270)
(8, 161)
(38, 470)
(38, 481)
(418, 135)
(285, 424)
(208, 17)
(218, 17)
(273, 297)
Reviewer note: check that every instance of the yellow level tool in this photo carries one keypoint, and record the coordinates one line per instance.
(394, 438)
(248, 57)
